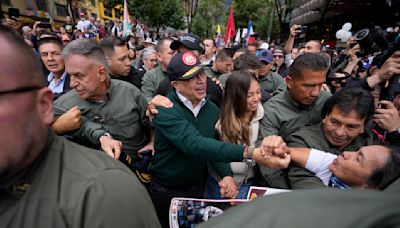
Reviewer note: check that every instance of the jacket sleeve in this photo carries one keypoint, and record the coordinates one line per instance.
(148, 89)
(269, 124)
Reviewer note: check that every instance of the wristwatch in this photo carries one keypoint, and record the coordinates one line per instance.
(107, 134)
(248, 156)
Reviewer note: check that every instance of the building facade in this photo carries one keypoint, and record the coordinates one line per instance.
(44, 10)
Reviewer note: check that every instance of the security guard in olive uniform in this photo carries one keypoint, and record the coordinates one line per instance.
(346, 115)
(300, 106)
(328, 208)
(223, 64)
(45, 180)
(152, 79)
(270, 82)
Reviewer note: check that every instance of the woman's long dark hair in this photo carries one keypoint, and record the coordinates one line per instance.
(234, 127)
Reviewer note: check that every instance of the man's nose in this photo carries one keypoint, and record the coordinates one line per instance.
(316, 90)
(340, 130)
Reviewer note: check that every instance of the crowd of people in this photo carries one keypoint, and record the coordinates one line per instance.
(102, 128)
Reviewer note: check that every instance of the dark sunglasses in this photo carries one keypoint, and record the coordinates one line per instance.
(21, 90)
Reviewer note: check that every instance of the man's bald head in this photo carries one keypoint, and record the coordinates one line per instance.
(26, 107)
(18, 62)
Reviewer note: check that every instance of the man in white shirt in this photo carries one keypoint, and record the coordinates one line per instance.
(83, 23)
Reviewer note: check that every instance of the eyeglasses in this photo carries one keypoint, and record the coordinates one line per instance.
(21, 90)
(277, 56)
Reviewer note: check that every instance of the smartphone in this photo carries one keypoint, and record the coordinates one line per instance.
(13, 12)
(44, 25)
(302, 29)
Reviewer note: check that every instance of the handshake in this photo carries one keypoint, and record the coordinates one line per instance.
(273, 153)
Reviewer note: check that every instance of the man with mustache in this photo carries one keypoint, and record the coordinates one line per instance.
(185, 139)
(299, 106)
(344, 128)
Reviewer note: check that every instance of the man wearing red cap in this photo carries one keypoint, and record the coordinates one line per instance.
(83, 23)
(185, 139)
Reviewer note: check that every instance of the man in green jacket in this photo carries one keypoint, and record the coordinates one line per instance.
(152, 79)
(329, 208)
(223, 64)
(185, 139)
(113, 111)
(299, 106)
(343, 128)
(45, 180)
(270, 82)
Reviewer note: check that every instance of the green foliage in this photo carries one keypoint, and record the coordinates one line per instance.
(209, 13)
(201, 26)
(158, 13)
(259, 13)
(261, 26)
(245, 10)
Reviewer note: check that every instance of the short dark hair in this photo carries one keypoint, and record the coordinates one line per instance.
(382, 178)
(247, 61)
(161, 42)
(307, 61)
(50, 39)
(108, 44)
(224, 54)
(209, 38)
(351, 99)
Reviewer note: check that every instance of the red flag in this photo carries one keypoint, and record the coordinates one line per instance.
(230, 27)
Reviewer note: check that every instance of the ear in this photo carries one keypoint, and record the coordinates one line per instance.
(101, 71)
(158, 56)
(289, 81)
(45, 105)
(324, 119)
(174, 84)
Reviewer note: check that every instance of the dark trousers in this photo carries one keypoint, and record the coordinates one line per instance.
(162, 196)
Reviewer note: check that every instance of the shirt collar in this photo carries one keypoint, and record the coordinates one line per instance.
(186, 101)
(188, 104)
(50, 77)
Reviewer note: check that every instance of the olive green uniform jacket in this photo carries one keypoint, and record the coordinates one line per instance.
(314, 137)
(69, 185)
(272, 83)
(284, 116)
(122, 114)
(328, 208)
(211, 73)
(150, 82)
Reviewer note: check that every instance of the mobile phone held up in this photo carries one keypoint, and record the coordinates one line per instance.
(302, 29)
(44, 25)
(13, 12)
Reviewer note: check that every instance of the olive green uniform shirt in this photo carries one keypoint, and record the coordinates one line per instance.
(211, 73)
(122, 114)
(284, 116)
(69, 185)
(314, 137)
(272, 83)
(150, 82)
(223, 79)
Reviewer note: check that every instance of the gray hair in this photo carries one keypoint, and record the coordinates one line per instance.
(87, 48)
(147, 52)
